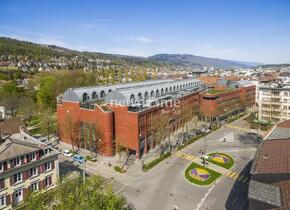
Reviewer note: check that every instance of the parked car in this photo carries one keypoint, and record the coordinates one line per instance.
(66, 153)
(207, 131)
(78, 158)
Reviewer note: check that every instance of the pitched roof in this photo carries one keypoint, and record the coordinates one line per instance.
(265, 193)
(11, 125)
(279, 133)
(272, 157)
(11, 148)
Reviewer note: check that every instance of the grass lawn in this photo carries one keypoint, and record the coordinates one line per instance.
(213, 175)
(213, 91)
(227, 165)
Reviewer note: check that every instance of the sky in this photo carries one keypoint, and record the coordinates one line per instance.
(243, 30)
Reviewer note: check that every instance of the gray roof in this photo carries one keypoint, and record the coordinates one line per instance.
(144, 93)
(11, 148)
(279, 133)
(245, 83)
(265, 193)
(125, 91)
(20, 144)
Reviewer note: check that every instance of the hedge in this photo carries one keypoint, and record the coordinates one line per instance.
(119, 169)
(153, 163)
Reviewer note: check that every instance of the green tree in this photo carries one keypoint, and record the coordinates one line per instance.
(46, 94)
(11, 97)
(73, 194)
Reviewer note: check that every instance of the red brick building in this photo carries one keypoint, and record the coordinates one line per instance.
(227, 98)
(122, 113)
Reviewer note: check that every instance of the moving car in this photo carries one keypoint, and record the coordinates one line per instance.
(66, 153)
(78, 158)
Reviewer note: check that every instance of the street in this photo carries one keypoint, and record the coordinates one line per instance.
(165, 187)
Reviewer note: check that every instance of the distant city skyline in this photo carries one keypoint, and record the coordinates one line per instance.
(242, 30)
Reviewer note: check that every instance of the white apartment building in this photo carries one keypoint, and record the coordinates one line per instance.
(274, 102)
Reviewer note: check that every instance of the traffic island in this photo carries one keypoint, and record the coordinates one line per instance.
(221, 159)
(200, 175)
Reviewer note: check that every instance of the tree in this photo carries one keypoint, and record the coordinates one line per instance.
(73, 194)
(46, 94)
(159, 128)
(11, 97)
(28, 107)
(48, 123)
(73, 129)
(93, 137)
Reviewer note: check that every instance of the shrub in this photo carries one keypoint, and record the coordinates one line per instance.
(119, 169)
(153, 163)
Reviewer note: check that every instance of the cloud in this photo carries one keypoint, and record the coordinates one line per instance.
(141, 39)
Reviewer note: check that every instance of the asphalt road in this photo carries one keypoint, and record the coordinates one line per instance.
(164, 187)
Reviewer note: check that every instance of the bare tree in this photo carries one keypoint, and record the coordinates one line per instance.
(73, 129)
(48, 123)
(93, 139)
(159, 128)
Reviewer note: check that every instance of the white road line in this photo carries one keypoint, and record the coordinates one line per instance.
(204, 197)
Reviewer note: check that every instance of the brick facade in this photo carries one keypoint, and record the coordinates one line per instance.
(215, 105)
(119, 124)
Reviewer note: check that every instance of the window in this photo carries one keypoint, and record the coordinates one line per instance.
(2, 201)
(18, 196)
(32, 156)
(285, 100)
(33, 172)
(1, 166)
(285, 93)
(48, 181)
(46, 151)
(17, 177)
(17, 161)
(2, 184)
(47, 166)
(34, 187)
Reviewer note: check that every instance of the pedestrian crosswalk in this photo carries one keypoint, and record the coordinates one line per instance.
(185, 156)
(230, 174)
(237, 176)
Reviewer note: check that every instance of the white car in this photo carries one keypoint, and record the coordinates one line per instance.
(66, 153)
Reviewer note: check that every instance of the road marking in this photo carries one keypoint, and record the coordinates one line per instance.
(245, 180)
(228, 173)
(240, 178)
(185, 156)
(232, 175)
(236, 176)
(204, 197)
(228, 137)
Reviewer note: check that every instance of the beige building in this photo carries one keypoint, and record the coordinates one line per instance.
(274, 102)
(25, 165)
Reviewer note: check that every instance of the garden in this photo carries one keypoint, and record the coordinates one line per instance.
(200, 175)
(221, 159)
